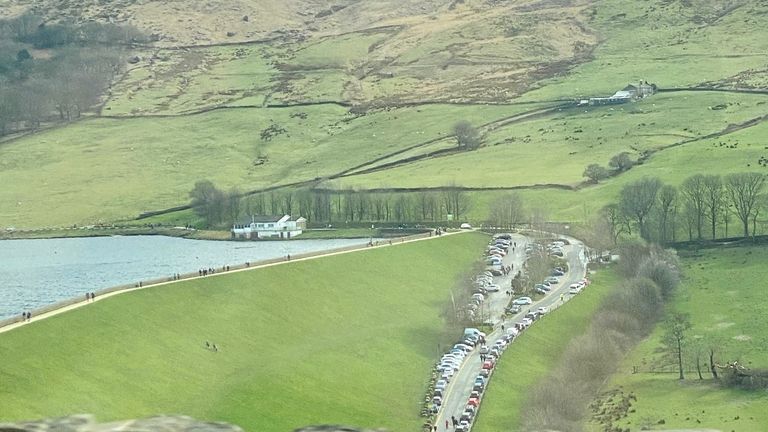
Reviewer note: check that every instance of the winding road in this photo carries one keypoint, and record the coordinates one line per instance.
(460, 387)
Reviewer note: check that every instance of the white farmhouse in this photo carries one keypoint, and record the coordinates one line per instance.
(283, 227)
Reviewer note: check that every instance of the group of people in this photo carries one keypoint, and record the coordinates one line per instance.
(211, 270)
(26, 316)
(211, 346)
(453, 421)
(89, 297)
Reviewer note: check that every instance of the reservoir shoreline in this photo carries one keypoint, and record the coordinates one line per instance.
(55, 308)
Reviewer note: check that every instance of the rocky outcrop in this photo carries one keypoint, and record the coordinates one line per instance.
(175, 423)
(86, 423)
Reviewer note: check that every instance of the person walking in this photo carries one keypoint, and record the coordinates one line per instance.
(447, 424)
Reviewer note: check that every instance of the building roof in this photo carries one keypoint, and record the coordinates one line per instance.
(622, 94)
(269, 219)
(260, 219)
(629, 88)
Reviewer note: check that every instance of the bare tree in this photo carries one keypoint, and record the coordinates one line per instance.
(456, 201)
(743, 190)
(637, 200)
(233, 204)
(694, 190)
(713, 199)
(667, 199)
(467, 136)
(615, 221)
(507, 211)
(208, 201)
(675, 330)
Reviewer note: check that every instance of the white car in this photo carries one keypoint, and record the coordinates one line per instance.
(542, 310)
(466, 226)
(492, 288)
(523, 301)
(574, 289)
(441, 384)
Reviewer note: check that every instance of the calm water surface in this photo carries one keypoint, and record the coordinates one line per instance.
(35, 273)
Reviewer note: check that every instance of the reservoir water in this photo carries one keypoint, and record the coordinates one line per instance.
(34, 273)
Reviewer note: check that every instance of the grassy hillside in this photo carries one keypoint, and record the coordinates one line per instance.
(381, 58)
(529, 359)
(721, 295)
(346, 339)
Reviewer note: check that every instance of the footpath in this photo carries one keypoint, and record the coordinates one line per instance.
(68, 305)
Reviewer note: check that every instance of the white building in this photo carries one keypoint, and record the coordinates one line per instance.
(269, 227)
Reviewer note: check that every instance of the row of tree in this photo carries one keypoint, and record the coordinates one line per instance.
(54, 72)
(225, 207)
(701, 206)
(618, 163)
(626, 316)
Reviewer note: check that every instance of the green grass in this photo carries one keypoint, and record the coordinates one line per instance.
(348, 339)
(722, 296)
(672, 166)
(534, 353)
(141, 164)
(556, 149)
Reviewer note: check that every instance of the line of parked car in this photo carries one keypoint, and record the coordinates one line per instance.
(489, 355)
(451, 362)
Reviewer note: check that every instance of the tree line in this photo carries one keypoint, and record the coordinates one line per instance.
(627, 316)
(56, 71)
(704, 206)
(218, 207)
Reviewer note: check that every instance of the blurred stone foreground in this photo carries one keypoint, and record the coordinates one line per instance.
(176, 423)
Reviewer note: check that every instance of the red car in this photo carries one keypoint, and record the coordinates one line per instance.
(473, 401)
(488, 364)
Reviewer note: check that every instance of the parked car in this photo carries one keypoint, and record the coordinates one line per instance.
(523, 301)
(465, 226)
(542, 310)
(487, 364)
(552, 280)
(513, 309)
(492, 288)
(441, 384)
(544, 287)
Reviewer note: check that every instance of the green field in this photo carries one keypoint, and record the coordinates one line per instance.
(534, 353)
(343, 339)
(472, 54)
(721, 293)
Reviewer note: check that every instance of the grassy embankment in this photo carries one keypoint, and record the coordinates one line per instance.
(722, 295)
(529, 358)
(346, 339)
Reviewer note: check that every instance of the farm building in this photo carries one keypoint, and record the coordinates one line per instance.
(627, 94)
(283, 227)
